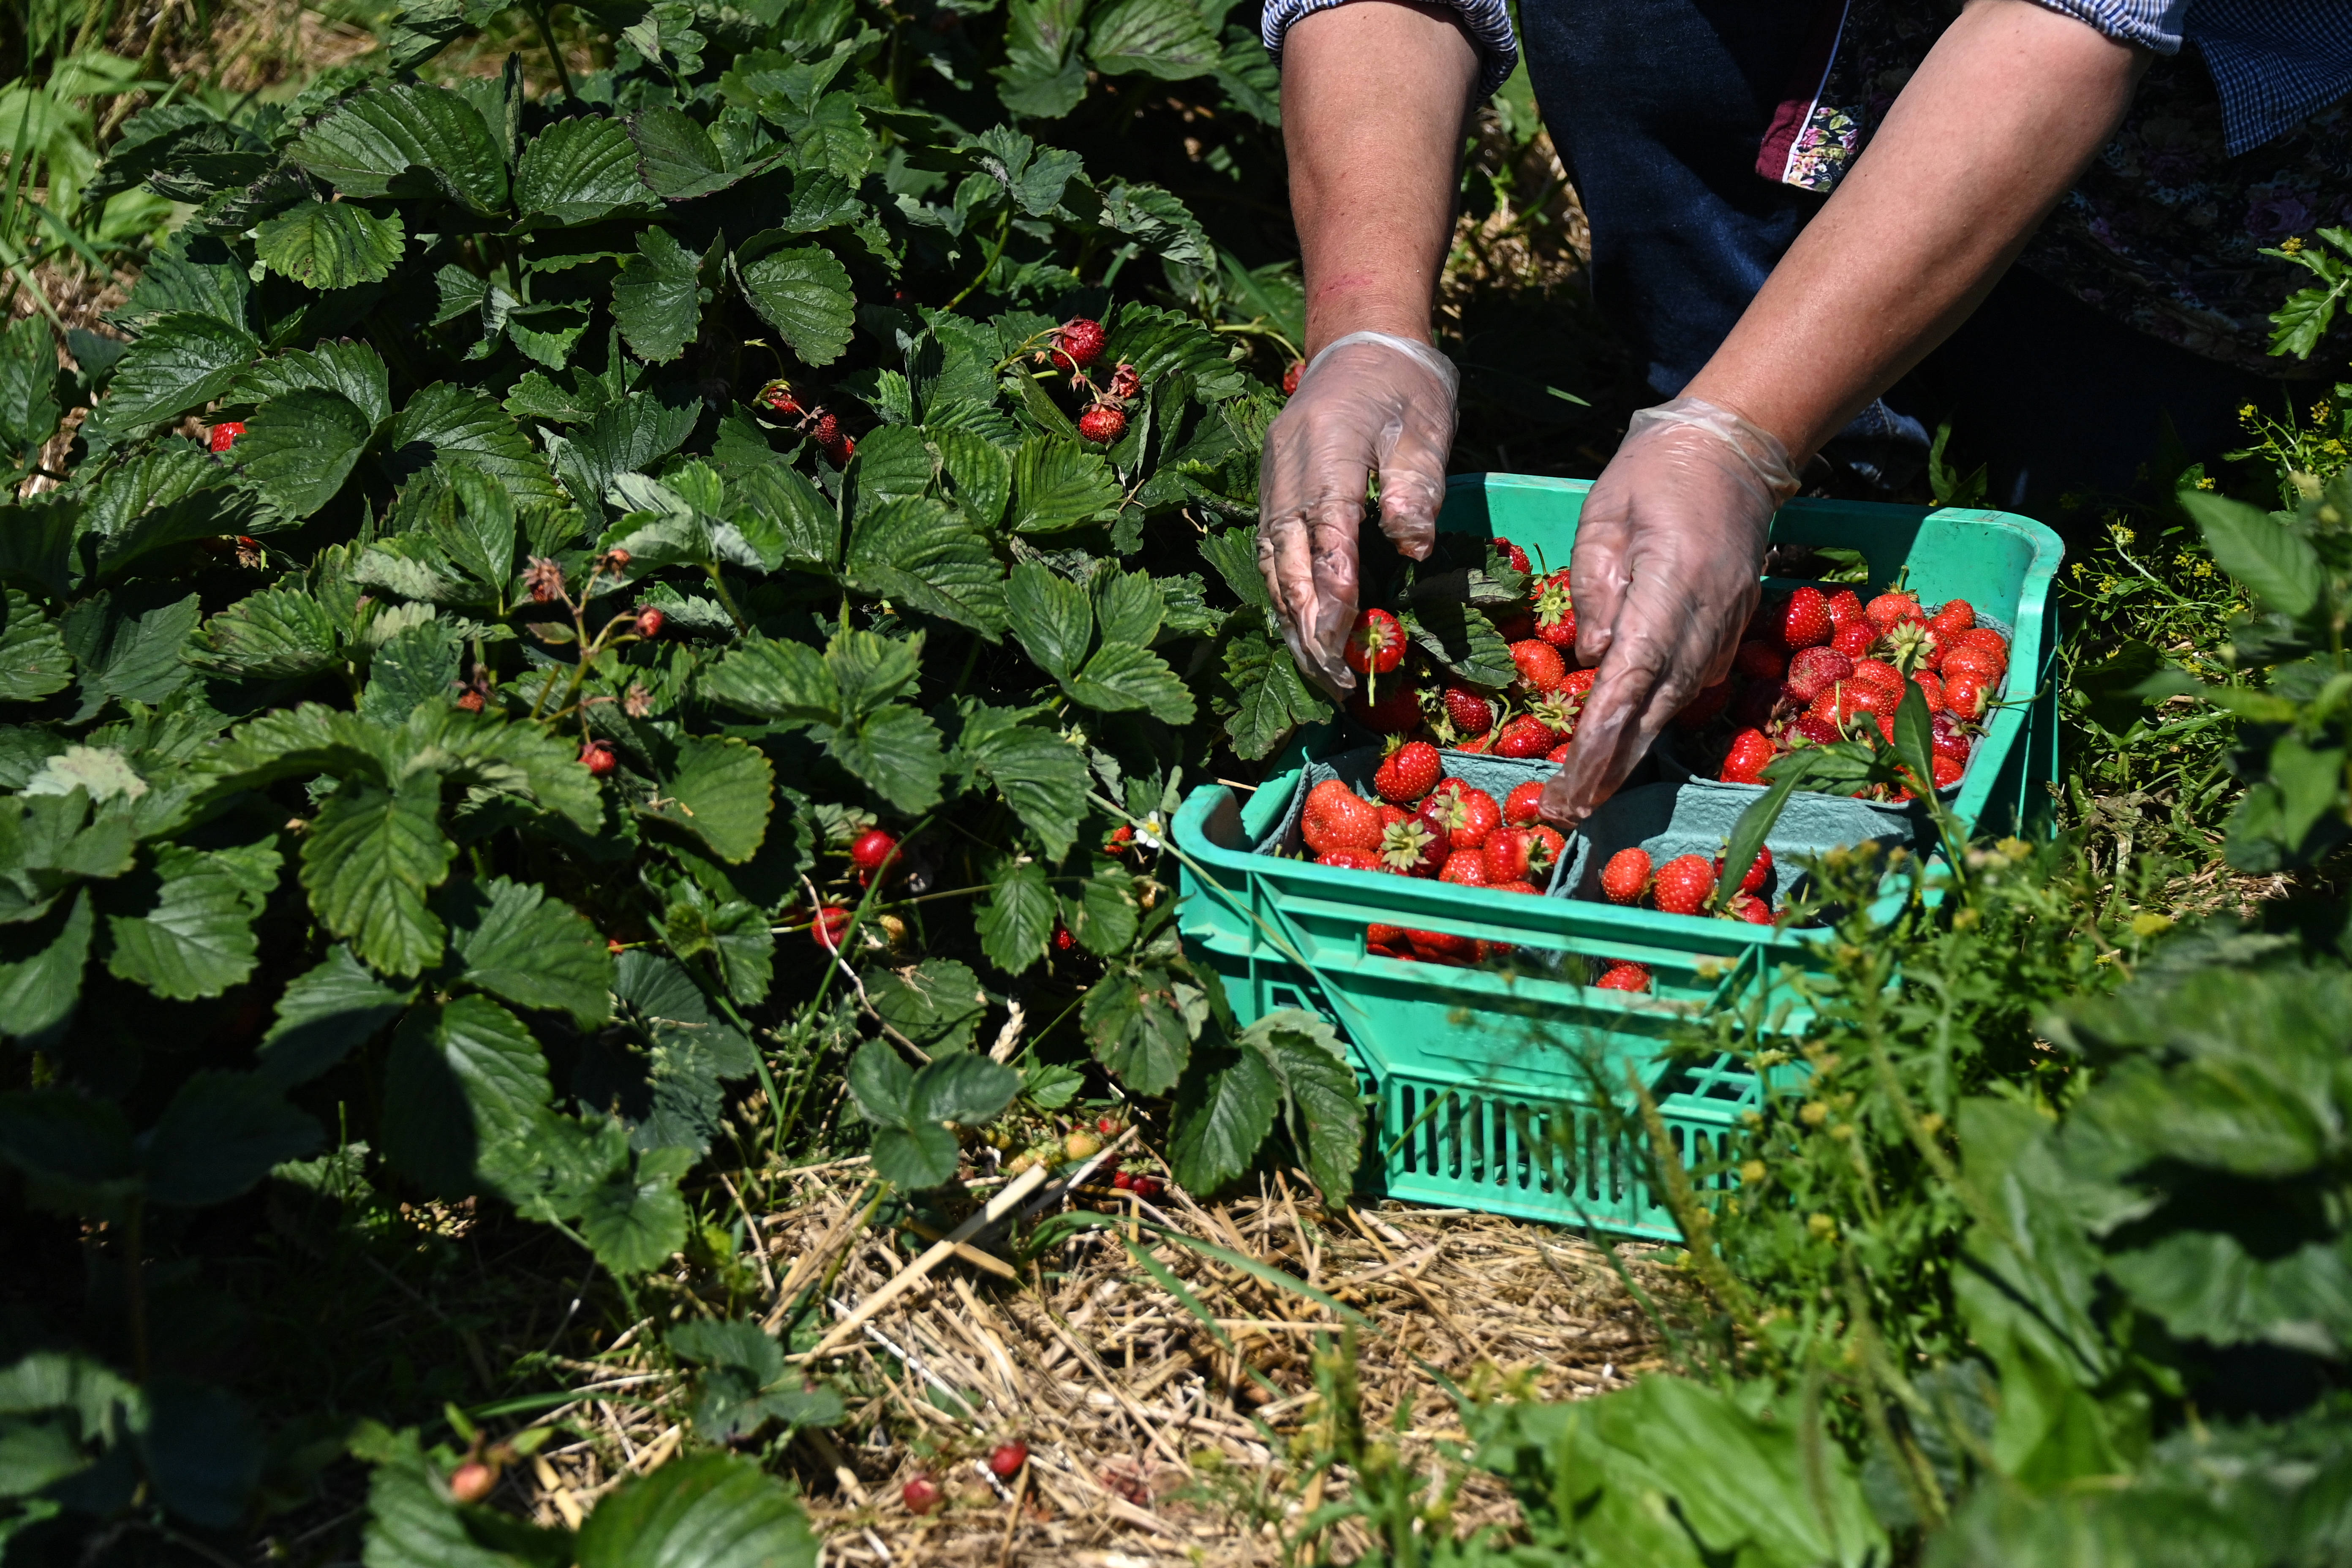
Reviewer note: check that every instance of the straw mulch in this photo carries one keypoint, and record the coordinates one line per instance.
(1147, 1443)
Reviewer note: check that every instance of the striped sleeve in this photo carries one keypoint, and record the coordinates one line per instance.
(2154, 24)
(1489, 22)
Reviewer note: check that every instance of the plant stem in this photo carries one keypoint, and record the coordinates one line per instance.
(547, 37)
(995, 254)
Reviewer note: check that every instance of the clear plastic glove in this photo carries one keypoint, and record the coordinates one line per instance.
(1369, 403)
(1664, 580)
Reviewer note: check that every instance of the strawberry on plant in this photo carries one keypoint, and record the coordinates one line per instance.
(1525, 736)
(779, 395)
(1120, 1180)
(471, 700)
(1375, 644)
(1411, 849)
(1814, 670)
(1624, 977)
(1541, 668)
(225, 434)
(828, 926)
(1893, 605)
(1080, 340)
(1760, 660)
(1522, 806)
(1745, 761)
(1758, 870)
(1103, 424)
(1683, 884)
(650, 622)
(1126, 381)
(1290, 377)
(872, 849)
(1626, 877)
(1337, 818)
(1409, 773)
(1472, 712)
(1121, 840)
(598, 757)
(1006, 1462)
(920, 1495)
(1510, 553)
(1806, 622)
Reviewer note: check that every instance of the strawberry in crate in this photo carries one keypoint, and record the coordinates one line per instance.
(1818, 666)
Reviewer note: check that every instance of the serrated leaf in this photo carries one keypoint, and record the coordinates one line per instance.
(1121, 676)
(980, 470)
(636, 1219)
(452, 427)
(417, 665)
(896, 750)
(196, 939)
(370, 858)
(938, 1005)
(1163, 38)
(578, 171)
(521, 759)
(1234, 553)
(735, 934)
(1137, 1031)
(712, 1510)
(676, 156)
(463, 1076)
(221, 1133)
(914, 552)
(134, 657)
(1052, 615)
(1041, 777)
(28, 388)
(1058, 484)
(1224, 1109)
(895, 460)
(181, 361)
(275, 635)
(350, 369)
(721, 792)
(657, 299)
(300, 448)
(34, 662)
(1321, 1105)
(804, 293)
(406, 140)
(1041, 76)
(1016, 918)
(326, 1013)
(786, 682)
(513, 941)
(629, 435)
(1129, 607)
(2277, 565)
(1462, 639)
(331, 245)
(40, 969)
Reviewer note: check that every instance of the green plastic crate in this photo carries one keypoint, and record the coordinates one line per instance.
(1485, 1080)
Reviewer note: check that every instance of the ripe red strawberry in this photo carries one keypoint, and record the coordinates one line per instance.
(1683, 884)
(1626, 877)
(1469, 814)
(1441, 947)
(1351, 860)
(1885, 722)
(1947, 771)
(1525, 736)
(1080, 340)
(1975, 658)
(650, 622)
(1337, 818)
(1559, 753)
(1931, 686)
(827, 927)
(1967, 695)
(1951, 741)
(1473, 713)
(1411, 849)
(598, 757)
(471, 700)
(1987, 638)
(1806, 622)
(1520, 807)
(1398, 711)
(1476, 744)
(1103, 424)
(1757, 872)
(1385, 936)
(826, 430)
(1845, 606)
(1701, 709)
(1409, 773)
(1375, 644)
(1894, 604)
(1744, 762)
(1290, 377)
(1624, 977)
(1465, 867)
(1062, 939)
(1818, 728)
(1510, 553)
(1392, 814)
(1006, 1462)
(225, 434)
(1854, 639)
(1872, 699)
(920, 1495)
(872, 849)
(1956, 616)
(1556, 611)
(1814, 670)
(1509, 856)
(1752, 910)
(839, 450)
(1541, 667)
(1496, 949)
(1546, 846)
(1760, 660)
(1877, 673)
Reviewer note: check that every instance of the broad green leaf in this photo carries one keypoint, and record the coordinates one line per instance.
(1121, 676)
(2275, 562)
(1166, 227)
(180, 363)
(1134, 1026)
(802, 524)
(786, 682)
(1321, 1105)
(1163, 38)
(804, 293)
(134, 657)
(1041, 777)
(1462, 639)
(1042, 76)
(916, 1156)
(579, 171)
(40, 969)
(34, 662)
(914, 552)
(980, 471)
(660, 992)
(454, 427)
(869, 670)
(28, 387)
(938, 1005)
(896, 750)
(631, 434)
(326, 1013)
(417, 665)
(410, 1521)
(657, 299)
(2310, 782)
(513, 941)
(1016, 919)
(895, 460)
(220, 1135)
(711, 1511)
(198, 938)
(406, 140)
(331, 245)
(353, 371)
(1052, 617)
(1748, 835)
(38, 545)
(1060, 484)
(1224, 1108)
(735, 934)
(883, 1083)
(464, 1075)
(521, 760)
(1129, 607)
(192, 272)
(633, 1221)
(721, 792)
(300, 448)
(202, 1451)
(1104, 915)
(2205, 1285)
(100, 772)
(275, 635)
(1271, 699)
(1915, 735)
(676, 156)
(963, 1086)
(369, 859)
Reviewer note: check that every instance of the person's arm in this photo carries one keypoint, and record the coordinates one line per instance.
(2001, 118)
(1375, 96)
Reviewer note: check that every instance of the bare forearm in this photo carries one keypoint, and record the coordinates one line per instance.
(1374, 99)
(1996, 126)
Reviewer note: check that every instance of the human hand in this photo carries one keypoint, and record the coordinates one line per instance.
(1369, 403)
(1664, 579)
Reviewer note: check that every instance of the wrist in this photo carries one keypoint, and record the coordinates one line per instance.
(1336, 309)
(1798, 423)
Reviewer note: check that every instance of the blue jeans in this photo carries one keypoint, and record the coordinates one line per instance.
(1658, 107)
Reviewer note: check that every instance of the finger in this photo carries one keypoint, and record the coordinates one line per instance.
(1412, 477)
(1608, 743)
(1600, 569)
(1333, 525)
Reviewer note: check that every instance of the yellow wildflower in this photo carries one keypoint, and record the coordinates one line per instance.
(2292, 244)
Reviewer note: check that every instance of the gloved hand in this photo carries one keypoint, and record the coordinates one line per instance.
(1664, 579)
(1369, 403)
